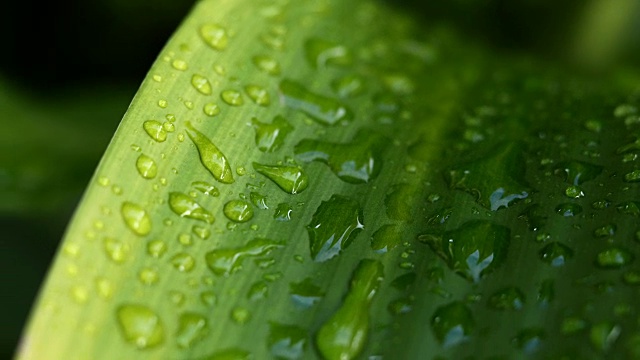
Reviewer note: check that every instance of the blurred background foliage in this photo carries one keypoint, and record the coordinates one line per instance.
(69, 70)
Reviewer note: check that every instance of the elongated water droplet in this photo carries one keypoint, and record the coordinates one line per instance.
(206, 188)
(258, 94)
(201, 84)
(286, 341)
(305, 294)
(140, 326)
(291, 179)
(358, 161)
(632, 177)
(136, 218)
(184, 206)
(344, 335)
(192, 328)
(227, 261)
(333, 227)
(215, 36)
(472, 250)
(232, 97)
(210, 156)
(146, 166)
(270, 137)
(452, 323)
(267, 64)
(238, 211)
(320, 53)
(325, 110)
(155, 130)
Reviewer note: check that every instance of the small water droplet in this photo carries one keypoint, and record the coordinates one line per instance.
(630, 208)
(348, 86)
(568, 209)
(210, 156)
(238, 211)
(259, 200)
(162, 103)
(155, 130)
(180, 64)
(105, 288)
(283, 212)
(325, 110)
(603, 335)
(226, 261)
(183, 262)
(156, 248)
(529, 339)
(232, 97)
(258, 94)
(605, 231)
(136, 218)
(140, 326)
(574, 192)
(211, 109)
(633, 176)
(192, 328)
(146, 166)
(333, 227)
(555, 254)
(185, 206)
(509, 298)
(201, 232)
(215, 36)
(344, 335)
(240, 315)
(578, 172)
(201, 84)
(258, 291)
(291, 179)
(452, 323)
(267, 64)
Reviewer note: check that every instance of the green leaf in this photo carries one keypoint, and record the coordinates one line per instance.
(340, 180)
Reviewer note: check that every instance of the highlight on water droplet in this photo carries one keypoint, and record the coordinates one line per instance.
(146, 166)
(283, 212)
(201, 84)
(136, 218)
(210, 156)
(291, 179)
(155, 130)
(333, 227)
(184, 206)
(140, 326)
(238, 211)
(320, 52)
(258, 94)
(215, 36)
(226, 261)
(324, 110)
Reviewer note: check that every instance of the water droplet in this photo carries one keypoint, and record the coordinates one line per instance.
(258, 291)
(320, 53)
(232, 97)
(155, 130)
(568, 209)
(356, 162)
(333, 227)
(343, 336)
(210, 156)
(227, 261)
(496, 179)
(259, 200)
(472, 250)
(613, 258)
(146, 166)
(574, 192)
(633, 176)
(148, 276)
(305, 294)
(578, 172)
(156, 248)
(215, 36)
(593, 126)
(201, 232)
(400, 306)
(104, 288)
(180, 64)
(201, 84)
(386, 238)
(192, 328)
(535, 217)
(183, 262)
(238, 210)
(452, 323)
(326, 111)
(509, 298)
(630, 208)
(348, 86)
(211, 109)
(605, 231)
(529, 339)
(177, 298)
(601, 204)
(136, 218)
(140, 326)
(258, 94)
(206, 188)
(267, 64)
(555, 253)
(631, 277)
(162, 103)
(283, 212)
(185, 206)
(270, 137)
(240, 315)
(291, 179)
(286, 341)
(603, 335)
(572, 325)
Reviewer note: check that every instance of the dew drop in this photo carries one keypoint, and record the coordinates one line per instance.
(210, 156)
(633, 176)
(215, 36)
(568, 209)
(270, 137)
(509, 298)
(192, 328)
(232, 97)
(201, 84)
(452, 323)
(258, 291)
(211, 109)
(226, 261)
(184, 206)
(259, 200)
(286, 341)
(155, 130)
(258, 94)
(140, 326)
(629, 208)
(320, 53)
(555, 254)
(136, 218)
(325, 110)
(146, 166)
(266, 64)
(305, 294)
(183, 262)
(148, 276)
(283, 212)
(386, 238)
(333, 227)
(529, 339)
(238, 211)
(240, 315)
(156, 248)
(180, 64)
(613, 258)
(291, 179)
(348, 86)
(206, 188)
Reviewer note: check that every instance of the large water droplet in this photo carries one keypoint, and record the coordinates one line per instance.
(201, 84)
(472, 250)
(358, 161)
(343, 336)
(136, 218)
(320, 53)
(333, 227)
(146, 166)
(140, 326)
(210, 156)
(286, 341)
(270, 137)
(155, 130)
(325, 110)
(238, 210)
(227, 261)
(291, 179)
(452, 323)
(215, 36)
(192, 328)
(185, 206)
